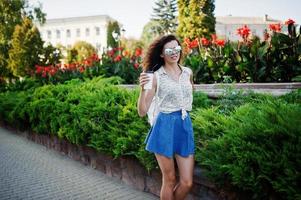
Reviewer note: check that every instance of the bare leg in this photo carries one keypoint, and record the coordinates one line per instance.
(185, 165)
(168, 176)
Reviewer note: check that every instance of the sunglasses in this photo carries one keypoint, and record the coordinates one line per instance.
(169, 51)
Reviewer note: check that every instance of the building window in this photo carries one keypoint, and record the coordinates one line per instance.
(78, 32)
(58, 34)
(97, 30)
(49, 34)
(87, 32)
(68, 33)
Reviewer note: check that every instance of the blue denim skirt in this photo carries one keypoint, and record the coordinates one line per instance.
(171, 135)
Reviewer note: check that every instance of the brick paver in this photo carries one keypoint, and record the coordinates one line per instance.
(31, 171)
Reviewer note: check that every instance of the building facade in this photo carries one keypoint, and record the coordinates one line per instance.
(226, 26)
(67, 31)
(93, 29)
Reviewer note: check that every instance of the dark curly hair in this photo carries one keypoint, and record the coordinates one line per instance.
(152, 60)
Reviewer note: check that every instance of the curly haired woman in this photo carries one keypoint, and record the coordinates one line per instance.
(171, 134)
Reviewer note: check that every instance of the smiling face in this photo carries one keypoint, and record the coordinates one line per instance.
(171, 52)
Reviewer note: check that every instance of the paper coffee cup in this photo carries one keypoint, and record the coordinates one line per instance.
(149, 84)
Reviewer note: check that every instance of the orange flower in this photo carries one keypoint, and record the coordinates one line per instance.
(125, 53)
(289, 21)
(275, 27)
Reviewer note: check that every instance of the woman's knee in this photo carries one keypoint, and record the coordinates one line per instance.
(169, 178)
(186, 183)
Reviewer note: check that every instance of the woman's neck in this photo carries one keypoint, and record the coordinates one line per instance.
(174, 67)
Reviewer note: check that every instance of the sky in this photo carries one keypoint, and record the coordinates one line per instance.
(134, 14)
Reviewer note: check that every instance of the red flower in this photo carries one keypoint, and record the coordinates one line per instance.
(213, 37)
(39, 69)
(47, 69)
(191, 44)
(94, 57)
(289, 21)
(81, 69)
(136, 65)
(244, 32)
(220, 43)
(88, 62)
(275, 27)
(111, 53)
(117, 58)
(44, 74)
(266, 36)
(138, 52)
(52, 72)
(205, 41)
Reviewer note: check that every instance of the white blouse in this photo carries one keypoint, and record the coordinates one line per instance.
(174, 95)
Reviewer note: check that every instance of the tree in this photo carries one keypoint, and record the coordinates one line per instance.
(183, 6)
(165, 14)
(113, 27)
(196, 18)
(131, 44)
(150, 32)
(80, 51)
(26, 49)
(12, 13)
(51, 55)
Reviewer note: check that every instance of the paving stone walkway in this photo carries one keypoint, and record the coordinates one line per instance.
(30, 171)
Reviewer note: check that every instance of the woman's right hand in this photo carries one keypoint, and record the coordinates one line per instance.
(143, 79)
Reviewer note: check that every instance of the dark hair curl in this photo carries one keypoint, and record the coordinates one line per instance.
(152, 60)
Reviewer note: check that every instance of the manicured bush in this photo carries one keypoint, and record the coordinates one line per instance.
(249, 143)
(18, 85)
(201, 100)
(96, 113)
(8, 102)
(232, 99)
(293, 97)
(256, 150)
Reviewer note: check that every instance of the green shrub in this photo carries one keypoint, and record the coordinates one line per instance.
(8, 102)
(248, 141)
(292, 97)
(232, 99)
(96, 113)
(259, 153)
(200, 100)
(26, 84)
